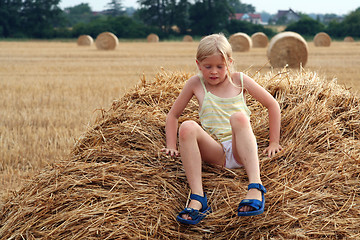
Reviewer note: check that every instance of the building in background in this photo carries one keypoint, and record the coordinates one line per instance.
(286, 17)
(248, 17)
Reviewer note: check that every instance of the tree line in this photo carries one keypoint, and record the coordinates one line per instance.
(167, 18)
(309, 27)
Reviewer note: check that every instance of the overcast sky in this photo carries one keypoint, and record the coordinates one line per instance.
(270, 6)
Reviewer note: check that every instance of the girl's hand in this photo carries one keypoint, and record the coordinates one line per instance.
(272, 149)
(171, 152)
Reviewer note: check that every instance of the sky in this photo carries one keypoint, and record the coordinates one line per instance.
(342, 7)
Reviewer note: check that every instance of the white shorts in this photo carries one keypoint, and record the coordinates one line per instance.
(230, 161)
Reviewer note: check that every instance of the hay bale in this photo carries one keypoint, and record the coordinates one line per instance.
(116, 184)
(187, 38)
(106, 41)
(259, 40)
(85, 40)
(152, 37)
(322, 39)
(349, 39)
(240, 42)
(287, 48)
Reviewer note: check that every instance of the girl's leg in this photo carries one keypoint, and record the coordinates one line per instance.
(245, 150)
(196, 145)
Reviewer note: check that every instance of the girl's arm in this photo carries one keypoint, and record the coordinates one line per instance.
(265, 98)
(172, 118)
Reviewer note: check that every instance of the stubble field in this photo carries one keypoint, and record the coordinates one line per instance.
(50, 92)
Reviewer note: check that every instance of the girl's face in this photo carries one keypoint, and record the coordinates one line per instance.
(213, 69)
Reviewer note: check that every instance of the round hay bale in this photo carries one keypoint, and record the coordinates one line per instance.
(152, 37)
(106, 41)
(287, 48)
(85, 40)
(240, 42)
(259, 40)
(187, 38)
(348, 39)
(322, 39)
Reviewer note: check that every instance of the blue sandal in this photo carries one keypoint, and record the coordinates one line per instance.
(256, 204)
(196, 215)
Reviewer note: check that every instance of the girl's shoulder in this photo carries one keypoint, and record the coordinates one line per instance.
(194, 81)
(193, 87)
(194, 78)
(247, 81)
(236, 78)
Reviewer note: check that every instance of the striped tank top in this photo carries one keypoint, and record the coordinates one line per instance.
(216, 111)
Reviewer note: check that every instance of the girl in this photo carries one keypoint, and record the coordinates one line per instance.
(223, 113)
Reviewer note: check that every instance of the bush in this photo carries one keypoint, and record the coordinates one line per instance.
(306, 26)
(122, 27)
(235, 26)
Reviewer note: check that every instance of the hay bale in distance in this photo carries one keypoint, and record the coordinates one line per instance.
(106, 41)
(349, 39)
(322, 39)
(152, 37)
(85, 40)
(116, 184)
(187, 38)
(259, 40)
(287, 48)
(240, 42)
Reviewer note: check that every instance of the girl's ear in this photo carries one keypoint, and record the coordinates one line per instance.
(198, 64)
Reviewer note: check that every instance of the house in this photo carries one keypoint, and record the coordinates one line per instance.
(248, 17)
(286, 16)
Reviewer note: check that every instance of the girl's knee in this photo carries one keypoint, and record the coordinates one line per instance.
(239, 119)
(187, 129)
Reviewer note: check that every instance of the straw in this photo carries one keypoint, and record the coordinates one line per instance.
(116, 184)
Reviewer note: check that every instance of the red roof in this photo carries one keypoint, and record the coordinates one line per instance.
(239, 16)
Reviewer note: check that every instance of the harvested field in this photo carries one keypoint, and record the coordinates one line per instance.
(49, 95)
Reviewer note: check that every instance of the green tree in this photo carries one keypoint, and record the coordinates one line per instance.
(115, 8)
(235, 26)
(348, 27)
(239, 7)
(78, 13)
(160, 13)
(306, 26)
(10, 24)
(352, 24)
(181, 17)
(209, 16)
(121, 26)
(38, 17)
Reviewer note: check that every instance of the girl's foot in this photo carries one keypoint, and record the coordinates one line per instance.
(194, 204)
(253, 204)
(192, 215)
(251, 194)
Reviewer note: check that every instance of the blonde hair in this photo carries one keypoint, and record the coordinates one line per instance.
(215, 44)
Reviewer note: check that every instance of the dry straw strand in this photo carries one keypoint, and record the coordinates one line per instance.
(240, 42)
(85, 40)
(287, 49)
(117, 185)
(106, 41)
(259, 40)
(322, 39)
(152, 37)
